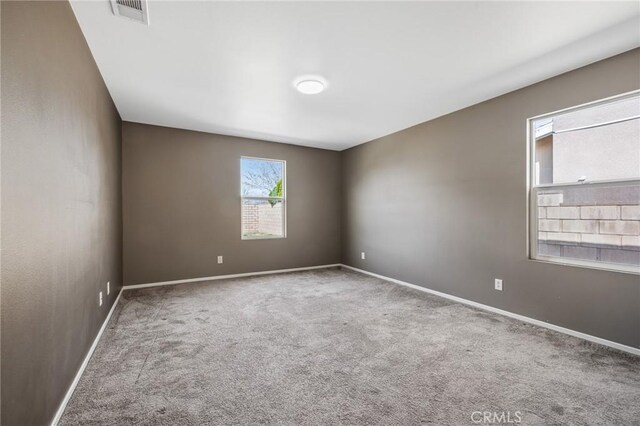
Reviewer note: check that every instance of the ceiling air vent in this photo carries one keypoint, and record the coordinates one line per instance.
(132, 9)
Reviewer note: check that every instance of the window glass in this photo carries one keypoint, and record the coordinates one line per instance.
(263, 201)
(585, 193)
(262, 218)
(589, 144)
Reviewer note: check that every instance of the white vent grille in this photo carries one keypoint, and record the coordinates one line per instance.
(132, 9)
(133, 4)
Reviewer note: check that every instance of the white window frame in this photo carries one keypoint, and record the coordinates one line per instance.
(283, 199)
(532, 190)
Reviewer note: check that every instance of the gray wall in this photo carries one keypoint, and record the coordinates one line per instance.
(61, 206)
(181, 205)
(443, 205)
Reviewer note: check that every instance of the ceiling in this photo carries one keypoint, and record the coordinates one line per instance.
(229, 67)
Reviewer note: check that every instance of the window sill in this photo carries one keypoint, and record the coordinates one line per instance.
(576, 263)
(262, 238)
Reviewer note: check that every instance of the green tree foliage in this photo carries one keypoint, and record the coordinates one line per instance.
(276, 192)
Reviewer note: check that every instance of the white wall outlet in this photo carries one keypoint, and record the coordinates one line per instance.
(498, 285)
(100, 299)
(362, 255)
(108, 287)
(219, 259)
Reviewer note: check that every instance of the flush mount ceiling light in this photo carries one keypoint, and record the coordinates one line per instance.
(310, 85)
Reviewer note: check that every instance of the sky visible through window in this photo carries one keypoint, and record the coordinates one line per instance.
(260, 178)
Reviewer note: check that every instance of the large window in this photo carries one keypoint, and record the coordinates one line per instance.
(585, 185)
(263, 198)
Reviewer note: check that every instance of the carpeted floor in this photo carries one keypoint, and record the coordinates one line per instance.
(337, 347)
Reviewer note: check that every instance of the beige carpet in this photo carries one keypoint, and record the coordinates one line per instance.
(336, 347)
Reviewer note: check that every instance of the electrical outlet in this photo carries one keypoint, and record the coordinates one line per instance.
(498, 284)
(362, 255)
(100, 299)
(219, 259)
(108, 287)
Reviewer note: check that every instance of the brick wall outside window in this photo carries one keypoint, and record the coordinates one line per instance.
(262, 219)
(591, 223)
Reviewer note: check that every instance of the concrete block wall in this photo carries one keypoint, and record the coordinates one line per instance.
(262, 219)
(250, 219)
(270, 218)
(581, 223)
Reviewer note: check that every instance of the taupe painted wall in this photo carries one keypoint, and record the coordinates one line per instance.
(61, 206)
(181, 205)
(443, 205)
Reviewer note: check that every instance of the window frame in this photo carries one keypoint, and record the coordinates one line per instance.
(532, 192)
(282, 199)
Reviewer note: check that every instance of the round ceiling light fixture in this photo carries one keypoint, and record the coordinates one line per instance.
(310, 85)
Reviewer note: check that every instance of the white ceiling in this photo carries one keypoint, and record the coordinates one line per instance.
(228, 67)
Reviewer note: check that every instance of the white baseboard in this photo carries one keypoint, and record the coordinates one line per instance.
(619, 346)
(224, 277)
(83, 366)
